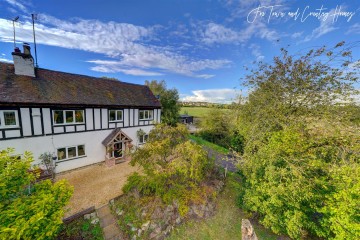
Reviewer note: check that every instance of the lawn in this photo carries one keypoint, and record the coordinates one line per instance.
(225, 224)
(211, 145)
(197, 112)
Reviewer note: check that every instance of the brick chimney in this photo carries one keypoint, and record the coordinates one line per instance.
(24, 62)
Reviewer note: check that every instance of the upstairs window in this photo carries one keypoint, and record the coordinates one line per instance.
(67, 153)
(145, 114)
(115, 115)
(68, 116)
(9, 118)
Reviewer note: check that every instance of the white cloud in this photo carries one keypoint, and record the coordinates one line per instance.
(216, 33)
(256, 51)
(6, 60)
(225, 95)
(181, 31)
(127, 44)
(205, 76)
(18, 4)
(354, 29)
(113, 66)
(241, 8)
(296, 34)
(139, 72)
(326, 26)
(212, 33)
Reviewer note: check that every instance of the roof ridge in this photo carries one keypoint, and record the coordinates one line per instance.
(56, 87)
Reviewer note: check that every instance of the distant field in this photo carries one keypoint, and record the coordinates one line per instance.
(197, 111)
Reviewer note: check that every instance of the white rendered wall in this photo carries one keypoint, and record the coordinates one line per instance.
(97, 118)
(36, 119)
(47, 120)
(95, 151)
(89, 119)
(26, 124)
(131, 112)
(126, 117)
(104, 118)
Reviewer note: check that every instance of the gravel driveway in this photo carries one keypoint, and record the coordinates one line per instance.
(95, 185)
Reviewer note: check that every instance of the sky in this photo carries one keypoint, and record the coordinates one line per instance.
(199, 47)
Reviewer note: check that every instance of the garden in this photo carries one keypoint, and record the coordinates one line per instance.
(179, 182)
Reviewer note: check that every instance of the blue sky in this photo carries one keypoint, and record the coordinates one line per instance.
(196, 46)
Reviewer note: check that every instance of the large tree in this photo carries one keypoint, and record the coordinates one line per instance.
(298, 88)
(300, 141)
(169, 100)
(29, 209)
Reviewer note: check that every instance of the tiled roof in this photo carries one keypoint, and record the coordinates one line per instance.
(185, 115)
(115, 133)
(59, 88)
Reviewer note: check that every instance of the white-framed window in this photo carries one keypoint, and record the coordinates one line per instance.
(145, 114)
(115, 115)
(143, 138)
(61, 117)
(72, 152)
(9, 119)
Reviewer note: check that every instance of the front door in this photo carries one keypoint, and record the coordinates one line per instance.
(118, 150)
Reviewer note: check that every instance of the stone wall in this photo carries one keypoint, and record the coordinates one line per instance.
(163, 219)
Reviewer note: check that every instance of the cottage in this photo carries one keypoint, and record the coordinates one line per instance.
(82, 120)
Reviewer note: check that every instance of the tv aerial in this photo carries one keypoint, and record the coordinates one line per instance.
(14, 20)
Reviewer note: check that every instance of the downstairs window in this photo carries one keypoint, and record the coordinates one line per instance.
(72, 152)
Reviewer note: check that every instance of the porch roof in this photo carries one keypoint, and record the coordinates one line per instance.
(114, 135)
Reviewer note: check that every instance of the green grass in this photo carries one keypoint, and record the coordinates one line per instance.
(213, 146)
(224, 225)
(197, 112)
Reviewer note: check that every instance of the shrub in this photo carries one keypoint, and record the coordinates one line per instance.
(237, 142)
(29, 210)
(301, 184)
(173, 166)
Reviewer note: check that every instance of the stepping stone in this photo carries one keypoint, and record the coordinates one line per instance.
(111, 231)
(108, 223)
(107, 220)
(103, 211)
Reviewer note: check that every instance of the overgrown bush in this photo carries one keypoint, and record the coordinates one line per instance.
(173, 167)
(29, 210)
(237, 142)
(302, 155)
(219, 127)
(294, 184)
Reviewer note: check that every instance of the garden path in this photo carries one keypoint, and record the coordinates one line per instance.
(108, 223)
(227, 161)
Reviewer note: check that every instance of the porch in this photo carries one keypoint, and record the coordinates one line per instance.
(118, 145)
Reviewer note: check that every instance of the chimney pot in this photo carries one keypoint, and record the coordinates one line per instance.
(26, 47)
